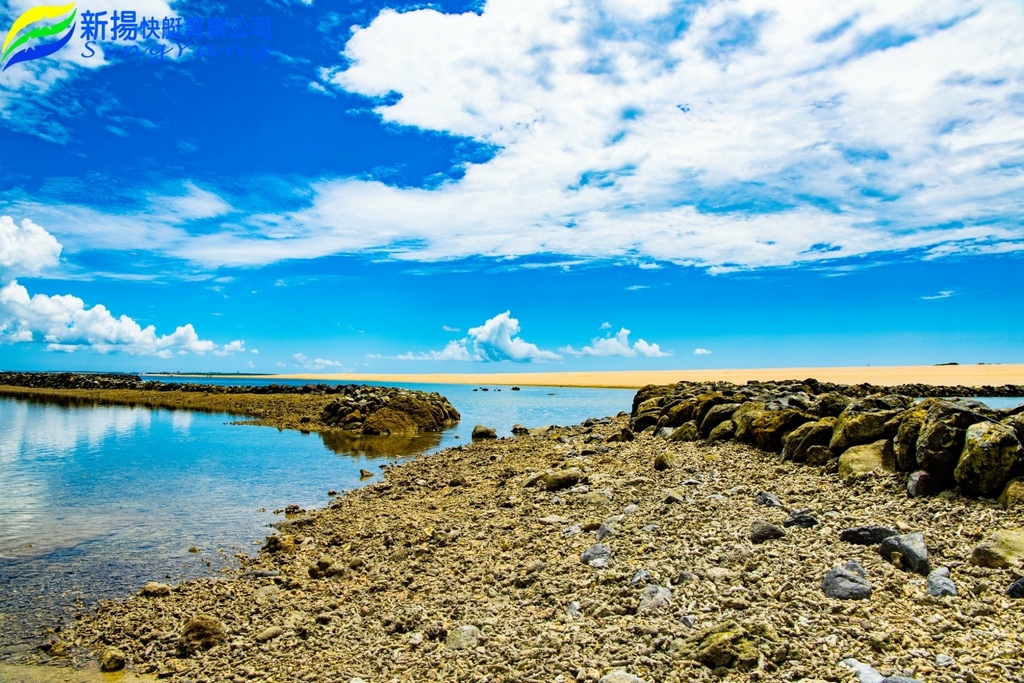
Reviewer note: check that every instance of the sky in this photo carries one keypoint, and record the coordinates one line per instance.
(511, 185)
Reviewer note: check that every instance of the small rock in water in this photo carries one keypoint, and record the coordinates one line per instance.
(653, 599)
(482, 432)
(939, 583)
(762, 532)
(842, 583)
(866, 535)
(641, 578)
(596, 556)
(365, 474)
(912, 550)
(112, 659)
(767, 500)
(802, 519)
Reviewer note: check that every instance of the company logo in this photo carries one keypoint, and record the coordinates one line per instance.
(55, 20)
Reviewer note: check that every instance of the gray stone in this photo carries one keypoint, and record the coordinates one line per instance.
(899, 679)
(620, 677)
(865, 672)
(664, 432)
(654, 599)
(762, 532)
(464, 637)
(921, 484)
(1016, 589)
(605, 530)
(944, 661)
(842, 584)
(767, 500)
(939, 583)
(573, 530)
(800, 518)
(641, 578)
(596, 556)
(912, 549)
(866, 535)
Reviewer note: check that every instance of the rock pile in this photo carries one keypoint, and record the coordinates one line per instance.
(856, 430)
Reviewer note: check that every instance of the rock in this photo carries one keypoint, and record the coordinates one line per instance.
(800, 518)
(1016, 589)
(560, 479)
(855, 567)
(519, 430)
(866, 459)
(899, 679)
(762, 532)
(605, 530)
(482, 432)
(155, 590)
(665, 461)
(1012, 496)
(716, 416)
(622, 437)
(112, 659)
(796, 443)
(464, 637)
(939, 583)
(1000, 550)
(841, 583)
(620, 677)
(830, 404)
(857, 428)
(912, 551)
(991, 452)
(866, 535)
(573, 610)
(389, 421)
(744, 418)
(944, 660)
(921, 484)
(726, 645)
(269, 634)
(767, 500)
(653, 599)
(819, 456)
(904, 444)
(769, 428)
(596, 556)
(723, 432)
(675, 496)
(685, 432)
(641, 578)
(865, 673)
(201, 633)
(941, 439)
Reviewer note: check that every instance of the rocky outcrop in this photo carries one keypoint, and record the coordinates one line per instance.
(863, 430)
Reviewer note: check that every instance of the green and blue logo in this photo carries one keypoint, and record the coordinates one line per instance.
(46, 15)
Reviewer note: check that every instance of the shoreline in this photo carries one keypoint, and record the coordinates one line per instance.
(964, 375)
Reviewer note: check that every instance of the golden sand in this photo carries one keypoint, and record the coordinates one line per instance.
(966, 375)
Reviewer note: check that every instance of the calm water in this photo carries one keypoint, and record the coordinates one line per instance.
(96, 501)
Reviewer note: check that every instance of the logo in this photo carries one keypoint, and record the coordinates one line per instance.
(64, 15)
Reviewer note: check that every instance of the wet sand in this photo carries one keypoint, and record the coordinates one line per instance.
(967, 375)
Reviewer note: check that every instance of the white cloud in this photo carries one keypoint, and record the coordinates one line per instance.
(255, 351)
(25, 249)
(944, 294)
(306, 363)
(606, 326)
(701, 352)
(196, 203)
(237, 346)
(495, 340)
(637, 288)
(617, 346)
(449, 328)
(250, 365)
(854, 128)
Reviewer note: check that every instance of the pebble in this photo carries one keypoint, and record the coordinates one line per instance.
(596, 556)
(112, 659)
(464, 637)
(269, 634)
(766, 499)
(1016, 589)
(843, 584)
(653, 599)
(573, 610)
(939, 583)
(802, 519)
(605, 530)
(573, 530)
(762, 532)
(865, 672)
(944, 661)
(641, 578)
(866, 535)
(912, 549)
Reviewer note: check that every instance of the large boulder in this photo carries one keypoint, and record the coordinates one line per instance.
(703, 405)
(830, 404)
(796, 443)
(1012, 496)
(388, 421)
(1002, 549)
(723, 432)
(991, 453)
(647, 413)
(685, 432)
(716, 416)
(856, 427)
(905, 443)
(942, 435)
(867, 458)
(744, 418)
(1016, 423)
(769, 428)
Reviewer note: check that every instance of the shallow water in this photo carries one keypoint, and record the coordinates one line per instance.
(95, 501)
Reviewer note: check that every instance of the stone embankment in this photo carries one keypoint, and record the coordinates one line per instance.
(364, 409)
(855, 430)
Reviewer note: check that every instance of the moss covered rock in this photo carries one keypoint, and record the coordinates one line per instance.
(796, 443)
(1012, 497)
(685, 432)
(856, 428)
(770, 428)
(941, 439)
(1002, 549)
(867, 458)
(991, 453)
(723, 432)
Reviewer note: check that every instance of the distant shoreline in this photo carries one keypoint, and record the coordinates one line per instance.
(966, 375)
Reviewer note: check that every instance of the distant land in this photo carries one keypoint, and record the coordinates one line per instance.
(945, 374)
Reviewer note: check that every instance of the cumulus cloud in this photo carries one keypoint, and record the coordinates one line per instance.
(759, 134)
(617, 346)
(64, 322)
(25, 249)
(307, 363)
(495, 340)
(701, 352)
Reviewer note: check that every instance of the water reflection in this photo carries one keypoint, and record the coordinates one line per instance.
(367, 446)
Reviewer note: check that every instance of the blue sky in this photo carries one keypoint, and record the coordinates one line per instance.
(516, 184)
